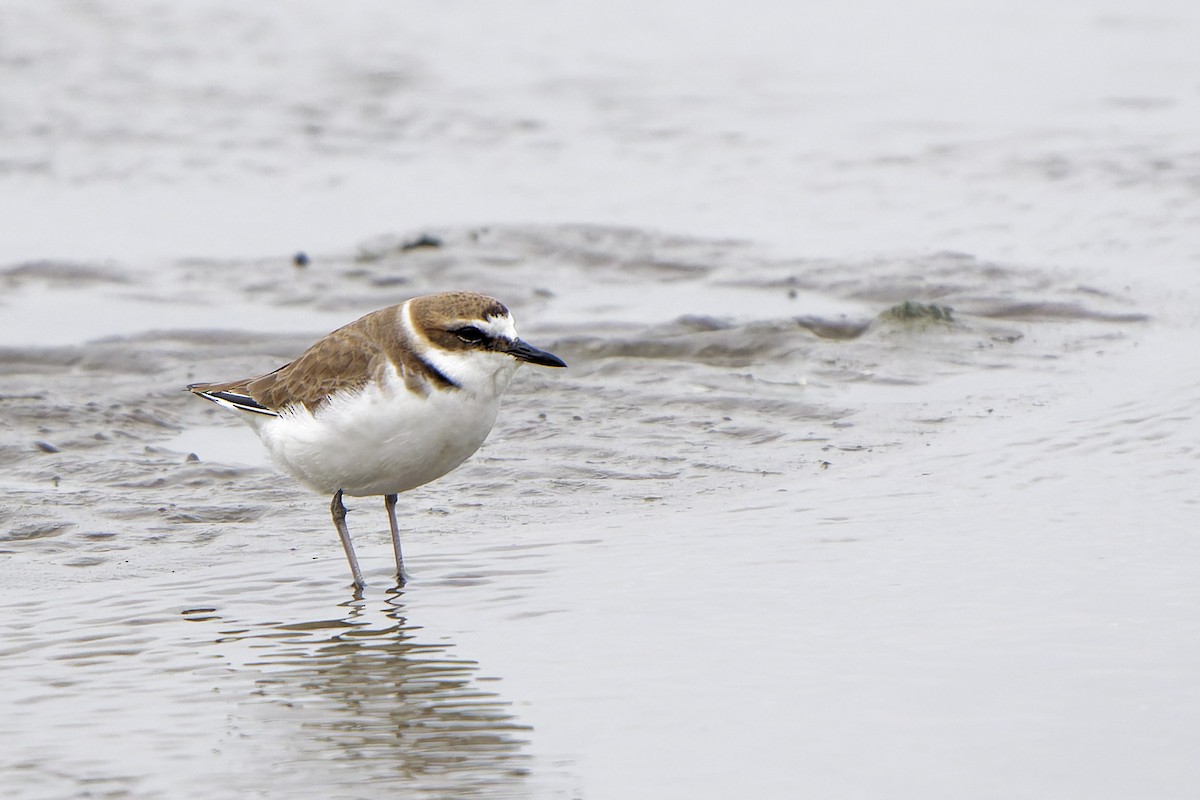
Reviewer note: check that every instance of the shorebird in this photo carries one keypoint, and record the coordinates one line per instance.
(390, 402)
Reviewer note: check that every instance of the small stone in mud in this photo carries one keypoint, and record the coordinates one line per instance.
(300, 259)
(577, 418)
(192, 457)
(913, 310)
(833, 329)
(425, 240)
(46, 447)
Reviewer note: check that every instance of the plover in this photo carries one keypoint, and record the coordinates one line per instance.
(391, 401)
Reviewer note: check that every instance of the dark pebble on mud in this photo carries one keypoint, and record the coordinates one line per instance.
(46, 447)
(425, 240)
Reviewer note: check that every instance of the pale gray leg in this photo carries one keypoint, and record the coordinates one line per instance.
(389, 501)
(339, 521)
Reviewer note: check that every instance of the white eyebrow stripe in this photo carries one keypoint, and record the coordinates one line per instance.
(498, 327)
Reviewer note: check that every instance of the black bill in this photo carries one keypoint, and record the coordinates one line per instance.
(527, 352)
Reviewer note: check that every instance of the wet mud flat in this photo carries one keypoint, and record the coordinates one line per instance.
(776, 512)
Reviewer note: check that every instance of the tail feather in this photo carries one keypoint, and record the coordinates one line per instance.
(232, 399)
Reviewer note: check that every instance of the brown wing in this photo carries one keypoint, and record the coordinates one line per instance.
(344, 360)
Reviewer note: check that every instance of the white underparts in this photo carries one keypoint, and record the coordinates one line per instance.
(385, 438)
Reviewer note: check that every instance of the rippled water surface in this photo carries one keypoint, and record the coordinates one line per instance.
(873, 472)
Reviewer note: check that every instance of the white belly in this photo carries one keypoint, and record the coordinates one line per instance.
(379, 441)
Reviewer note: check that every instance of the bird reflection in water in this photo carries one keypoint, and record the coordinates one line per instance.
(370, 698)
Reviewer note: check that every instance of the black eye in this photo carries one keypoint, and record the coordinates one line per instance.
(470, 334)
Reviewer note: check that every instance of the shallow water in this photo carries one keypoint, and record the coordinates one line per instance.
(877, 476)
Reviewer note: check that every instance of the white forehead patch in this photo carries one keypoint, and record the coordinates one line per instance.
(501, 327)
